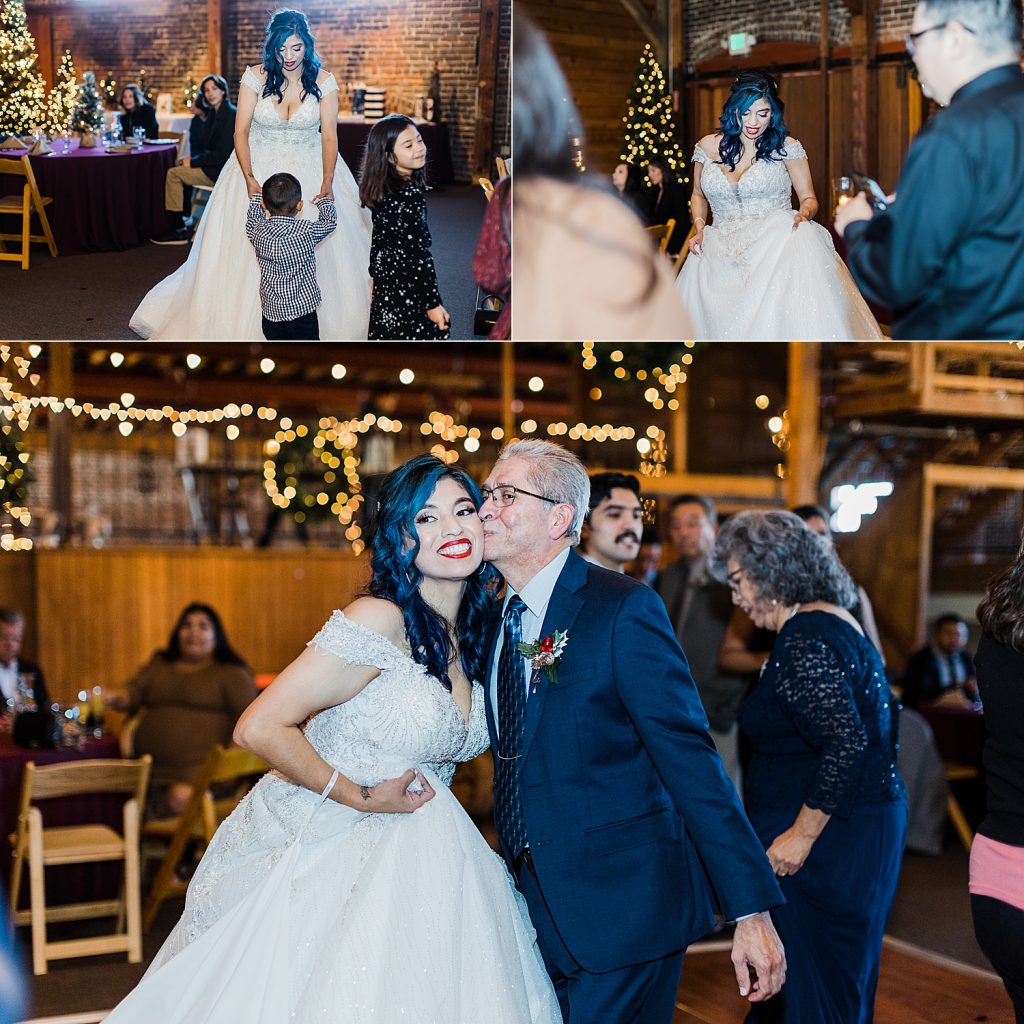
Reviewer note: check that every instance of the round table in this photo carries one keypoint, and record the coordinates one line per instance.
(102, 201)
(354, 131)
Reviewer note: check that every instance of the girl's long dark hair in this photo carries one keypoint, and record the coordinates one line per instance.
(285, 23)
(377, 174)
(748, 87)
(140, 99)
(403, 492)
(222, 649)
(1001, 612)
(221, 84)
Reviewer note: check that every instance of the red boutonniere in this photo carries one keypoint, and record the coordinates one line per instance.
(545, 655)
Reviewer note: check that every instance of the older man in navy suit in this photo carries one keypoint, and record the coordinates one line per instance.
(612, 806)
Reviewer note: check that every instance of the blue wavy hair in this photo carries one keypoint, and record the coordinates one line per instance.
(748, 87)
(395, 578)
(282, 24)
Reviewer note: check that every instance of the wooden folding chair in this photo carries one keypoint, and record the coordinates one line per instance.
(178, 137)
(955, 773)
(200, 197)
(683, 252)
(488, 187)
(29, 202)
(79, 844)
(662, 233)
(200, 819)
(502, 166)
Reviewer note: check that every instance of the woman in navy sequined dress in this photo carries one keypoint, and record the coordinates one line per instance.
(822, 791)
(406, 304)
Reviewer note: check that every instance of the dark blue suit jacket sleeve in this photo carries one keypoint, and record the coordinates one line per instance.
(654, 682)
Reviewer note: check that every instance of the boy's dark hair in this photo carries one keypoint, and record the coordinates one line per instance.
(282, 194)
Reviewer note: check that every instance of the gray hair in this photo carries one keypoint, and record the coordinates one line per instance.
(11, 616)
(996, 24)
(555, 471)
(784, 559)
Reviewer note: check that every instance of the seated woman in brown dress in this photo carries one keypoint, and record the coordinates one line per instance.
(192, 692)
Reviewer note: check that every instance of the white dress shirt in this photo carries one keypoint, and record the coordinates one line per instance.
(537, 596)
(9, 679)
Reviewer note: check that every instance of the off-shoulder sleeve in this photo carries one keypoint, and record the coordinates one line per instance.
(355, 643)
(795, 151)
(699, 156)
(252, 81)
(328, 85)
(814, 689)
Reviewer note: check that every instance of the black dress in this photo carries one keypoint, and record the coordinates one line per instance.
(822, 726)
(140, 117)
(404, 281)
(670, 203)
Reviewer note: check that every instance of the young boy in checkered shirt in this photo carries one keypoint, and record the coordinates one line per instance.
(286, 252)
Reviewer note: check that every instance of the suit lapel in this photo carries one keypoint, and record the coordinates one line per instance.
(564, 606)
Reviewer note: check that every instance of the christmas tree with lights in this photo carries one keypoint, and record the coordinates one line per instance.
(22, 91)
(650, 127)
(88, 114)
(62, 96)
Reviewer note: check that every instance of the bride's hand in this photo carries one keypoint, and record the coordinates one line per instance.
(799, 219)
(326, 192)
(394, 795)
(253, 186)
(696, 244)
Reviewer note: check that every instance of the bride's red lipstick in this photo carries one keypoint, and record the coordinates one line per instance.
(445, 549)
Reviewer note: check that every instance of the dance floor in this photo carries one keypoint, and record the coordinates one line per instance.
(915, 987)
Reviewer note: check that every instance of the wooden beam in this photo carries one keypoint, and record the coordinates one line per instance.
(215, 41)
(59, 380)
(654, 31)
(486, 87)
(803, 401)
(863, 86)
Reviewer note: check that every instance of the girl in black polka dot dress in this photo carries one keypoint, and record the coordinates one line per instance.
(406, 304)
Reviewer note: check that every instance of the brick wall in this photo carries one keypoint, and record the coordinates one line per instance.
(709, 21)
(390, 43)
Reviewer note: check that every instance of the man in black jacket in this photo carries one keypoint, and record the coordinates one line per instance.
(12, 665)
(943, 670)
(948, 255)
(202, 167)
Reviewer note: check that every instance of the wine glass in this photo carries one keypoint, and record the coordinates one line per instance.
(25, 694)
(140, 134)
(843, 190)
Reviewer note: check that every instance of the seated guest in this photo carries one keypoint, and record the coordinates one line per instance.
(138, 113)
(611, 532)
(216, 143)
(942, 671)
(666, 201)
(192, 692)
(12, 665)
(647, 563)
(629, 183)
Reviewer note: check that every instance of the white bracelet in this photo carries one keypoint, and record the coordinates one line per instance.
(701, 219)
(330, 785)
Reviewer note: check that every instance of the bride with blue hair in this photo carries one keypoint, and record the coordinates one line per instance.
(350, 885)
(762, 269)
(287, 121)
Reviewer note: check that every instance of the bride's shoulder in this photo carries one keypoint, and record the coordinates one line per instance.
(794, 149)
(708, 145)
(255, 77)
(326, 81)
(383, 617)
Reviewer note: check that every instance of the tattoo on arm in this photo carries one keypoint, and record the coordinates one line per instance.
(364, 792)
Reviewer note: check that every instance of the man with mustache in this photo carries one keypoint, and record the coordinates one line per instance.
(700, 608)
(614, 523)
(611, 805)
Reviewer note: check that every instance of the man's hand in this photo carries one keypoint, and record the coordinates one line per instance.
(756, 947)
(394, 795)
(857, 208)
(185, 161)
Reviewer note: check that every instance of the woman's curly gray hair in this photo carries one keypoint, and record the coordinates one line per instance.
(784, 559)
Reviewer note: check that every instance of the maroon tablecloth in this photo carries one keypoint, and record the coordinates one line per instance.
(959, 733)
(352, 139)
(102, 201)
(70, 883)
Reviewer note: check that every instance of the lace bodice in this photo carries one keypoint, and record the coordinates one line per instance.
(402, 718)
(764, 188)
(269, 129)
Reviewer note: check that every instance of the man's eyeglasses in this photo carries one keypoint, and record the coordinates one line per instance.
(505, 495)
(910, 38)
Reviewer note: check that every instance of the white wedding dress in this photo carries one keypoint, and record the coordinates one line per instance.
(305, 910)
(756, 277)
(215, 294)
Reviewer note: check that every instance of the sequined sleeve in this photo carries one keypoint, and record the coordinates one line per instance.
(700, 157)
(252, 81)
(814, 687)
(328, 85)
(355, 643)
(795, 151)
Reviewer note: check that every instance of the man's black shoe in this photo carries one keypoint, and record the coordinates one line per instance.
(176, 236)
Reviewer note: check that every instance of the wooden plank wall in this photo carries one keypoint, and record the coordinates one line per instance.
(96, 616)
(599, 46)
